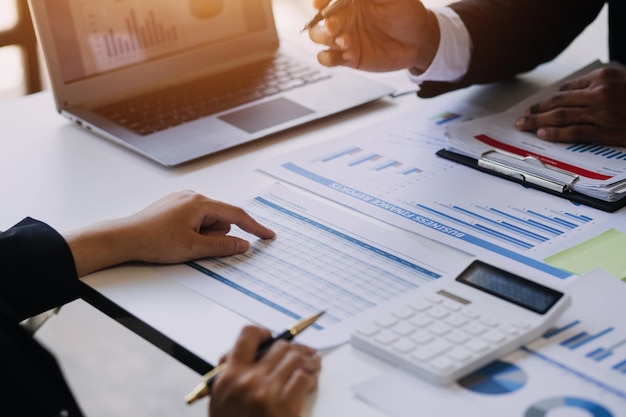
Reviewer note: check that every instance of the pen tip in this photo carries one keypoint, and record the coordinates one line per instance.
(304, 323)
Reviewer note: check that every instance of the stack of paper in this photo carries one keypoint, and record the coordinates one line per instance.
(590, 169)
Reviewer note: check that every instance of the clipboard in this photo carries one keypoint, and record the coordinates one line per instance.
(532, 173)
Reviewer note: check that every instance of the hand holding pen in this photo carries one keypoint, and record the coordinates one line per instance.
(262, 371)
(375, 35)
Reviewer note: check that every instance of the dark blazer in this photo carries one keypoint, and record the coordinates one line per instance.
(514, 36)
(37, 273)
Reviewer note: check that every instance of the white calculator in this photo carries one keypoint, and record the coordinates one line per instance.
(453, 328)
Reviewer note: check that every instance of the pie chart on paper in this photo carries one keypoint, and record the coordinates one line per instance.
(206, 9)
(499, 377)
(543, 408)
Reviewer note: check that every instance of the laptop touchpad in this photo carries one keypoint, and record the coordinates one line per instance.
(265, 115)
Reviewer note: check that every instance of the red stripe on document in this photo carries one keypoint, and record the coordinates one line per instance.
(558, 164)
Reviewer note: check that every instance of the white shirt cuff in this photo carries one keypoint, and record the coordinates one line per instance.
(453, 56)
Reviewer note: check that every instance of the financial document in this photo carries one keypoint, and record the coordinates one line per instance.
(323, 258)
(390, 171)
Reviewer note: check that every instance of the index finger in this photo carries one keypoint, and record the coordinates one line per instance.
(576, 84)
(320, 4)
(226, 213)
(247, 344)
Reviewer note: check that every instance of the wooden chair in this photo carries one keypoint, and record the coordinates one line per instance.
(23, 36)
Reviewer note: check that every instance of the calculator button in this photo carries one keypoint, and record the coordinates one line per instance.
(457, 337)
(403, 346)
(460, 354)
(477, 345)
(437, 313)
(451, 305)
(439, 329)
(431, 350)
(489, 322)
(469, 313)
(421, 321)
(385, 321)
(475, 329)
(404, 313)
(403, 329)
(368, 329)
(494, 336)
(385, 338)
(422, 337)
(456, 320)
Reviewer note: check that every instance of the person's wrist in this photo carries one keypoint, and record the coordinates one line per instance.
(429, 44)
(100, 246)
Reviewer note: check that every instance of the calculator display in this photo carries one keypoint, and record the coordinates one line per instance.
(510, 287)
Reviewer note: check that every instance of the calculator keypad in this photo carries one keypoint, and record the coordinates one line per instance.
(434, 336)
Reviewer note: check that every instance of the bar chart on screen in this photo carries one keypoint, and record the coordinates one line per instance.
(121, 33)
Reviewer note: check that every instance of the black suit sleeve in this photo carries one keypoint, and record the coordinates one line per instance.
(514, 36)
(36, 268)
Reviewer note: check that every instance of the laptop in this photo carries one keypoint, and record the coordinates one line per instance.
(177, 80)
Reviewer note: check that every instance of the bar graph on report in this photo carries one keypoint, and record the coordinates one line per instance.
(383, 173)
(604, 345)
(517, 228)
(596, 350)
(599, 150)
(589, 340)
(396, 177)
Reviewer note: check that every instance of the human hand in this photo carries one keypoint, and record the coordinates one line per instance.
(276, 385)
(377, 35)
(177, 228)
(591, 108)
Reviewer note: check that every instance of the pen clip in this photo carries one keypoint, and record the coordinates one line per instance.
(528, 169)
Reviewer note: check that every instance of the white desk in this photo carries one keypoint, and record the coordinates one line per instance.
(56, 172)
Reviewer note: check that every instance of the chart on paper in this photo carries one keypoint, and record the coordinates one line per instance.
(320, 260)
(390, 171)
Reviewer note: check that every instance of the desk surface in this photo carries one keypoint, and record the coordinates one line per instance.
(56, 172)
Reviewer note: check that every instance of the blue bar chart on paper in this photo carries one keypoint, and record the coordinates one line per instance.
(589, 340)
(606, 345)
(396, 177)
(599, 150)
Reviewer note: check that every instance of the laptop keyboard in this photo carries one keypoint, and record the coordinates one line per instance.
(172, 106)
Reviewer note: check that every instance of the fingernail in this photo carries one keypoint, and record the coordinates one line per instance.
(519, 123)
(541, 133)
(340, 42)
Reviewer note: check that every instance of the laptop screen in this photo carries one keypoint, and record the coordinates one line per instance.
(99, 36)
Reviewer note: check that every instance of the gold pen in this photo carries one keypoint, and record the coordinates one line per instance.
(202, 389)
(321, 14)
